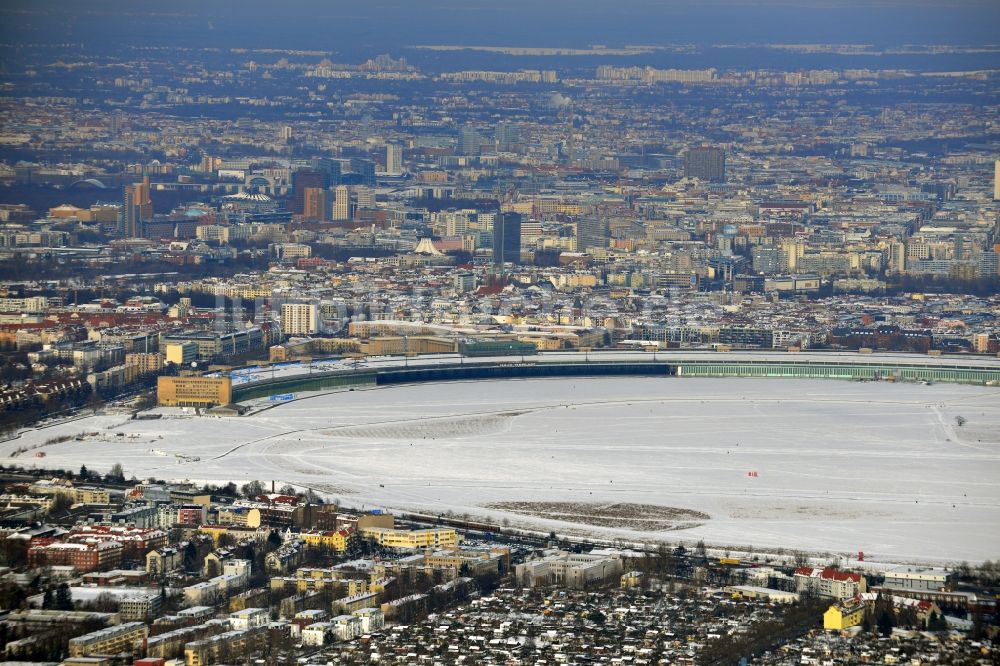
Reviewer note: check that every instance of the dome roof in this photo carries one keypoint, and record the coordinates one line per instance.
(247, 196)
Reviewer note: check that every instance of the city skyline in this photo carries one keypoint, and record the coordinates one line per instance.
(457, 332)
(554, 22)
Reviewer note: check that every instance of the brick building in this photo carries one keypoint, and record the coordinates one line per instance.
(84, 557)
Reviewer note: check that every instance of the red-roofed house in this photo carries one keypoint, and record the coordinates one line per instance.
(829, 582)
(135, 541)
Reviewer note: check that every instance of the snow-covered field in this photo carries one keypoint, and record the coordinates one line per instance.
(840, 466)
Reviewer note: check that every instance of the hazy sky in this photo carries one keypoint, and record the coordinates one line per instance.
(382, 24)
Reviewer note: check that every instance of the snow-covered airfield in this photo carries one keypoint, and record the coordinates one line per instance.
(839, 466)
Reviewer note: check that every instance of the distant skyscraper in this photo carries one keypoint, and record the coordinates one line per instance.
(897, 257)
(365, 170)
(508, 136)
(705, 163)
(591, 232)
(117, 122)
(328, 166)
(769, 259)
(469, 142)
(996, 180)
(303, 179)
(365, 197)
(507, 238)
(530, 233)
(342, 203)
(298, 318)
(315, 206)
(136, 207)
(129, 215)
(393, 159)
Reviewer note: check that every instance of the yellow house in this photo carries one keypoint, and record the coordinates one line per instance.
(91, 496)
(631, 579)
(238, 532)
(841, 616)
(331, 540)
(232, 515)
(214, 531)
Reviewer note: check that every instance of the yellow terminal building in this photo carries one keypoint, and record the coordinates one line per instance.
(194, 391)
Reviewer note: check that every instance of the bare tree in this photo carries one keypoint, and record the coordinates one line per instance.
(60, 504)
(252, 489)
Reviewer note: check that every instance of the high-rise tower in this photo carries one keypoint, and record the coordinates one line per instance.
(136, 207)
(508, 136)
(304, 179)
(706, 163)
(393, 159)
(342, 203)
(507, 238)
(469, 142)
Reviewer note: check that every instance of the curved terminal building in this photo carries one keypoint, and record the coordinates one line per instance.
(251, 383)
